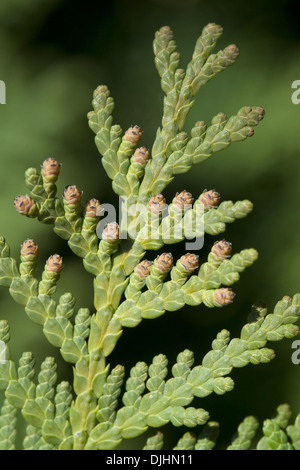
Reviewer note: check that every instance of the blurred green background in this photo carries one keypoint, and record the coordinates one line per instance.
(53, 54)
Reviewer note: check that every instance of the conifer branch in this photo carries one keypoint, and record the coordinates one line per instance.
(96, 412)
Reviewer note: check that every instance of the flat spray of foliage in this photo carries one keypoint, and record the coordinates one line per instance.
(129, 288)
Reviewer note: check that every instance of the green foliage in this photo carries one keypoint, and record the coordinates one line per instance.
(8, 421)
(276, 434)
(128, 289)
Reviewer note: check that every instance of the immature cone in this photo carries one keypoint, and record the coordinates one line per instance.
(140, 156)
(29, 248)
(180, 141)
(133, 134)
(23, 204)
(50, 170)
(231, 52)
(222, 249)
(156, 203)
(72, 195)
(92, 208)
(224, 296)
(220, 118)
(210, 199)
(111, 232)
(252, 114)
(143, 268)
(165, 31)
(190, 262)
(199, 129)
(54, 263)
(214, 29)
(259, 111)
(183, 199)
(164, 262)
(101, 89)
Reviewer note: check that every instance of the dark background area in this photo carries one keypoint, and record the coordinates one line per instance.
(53, 55)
